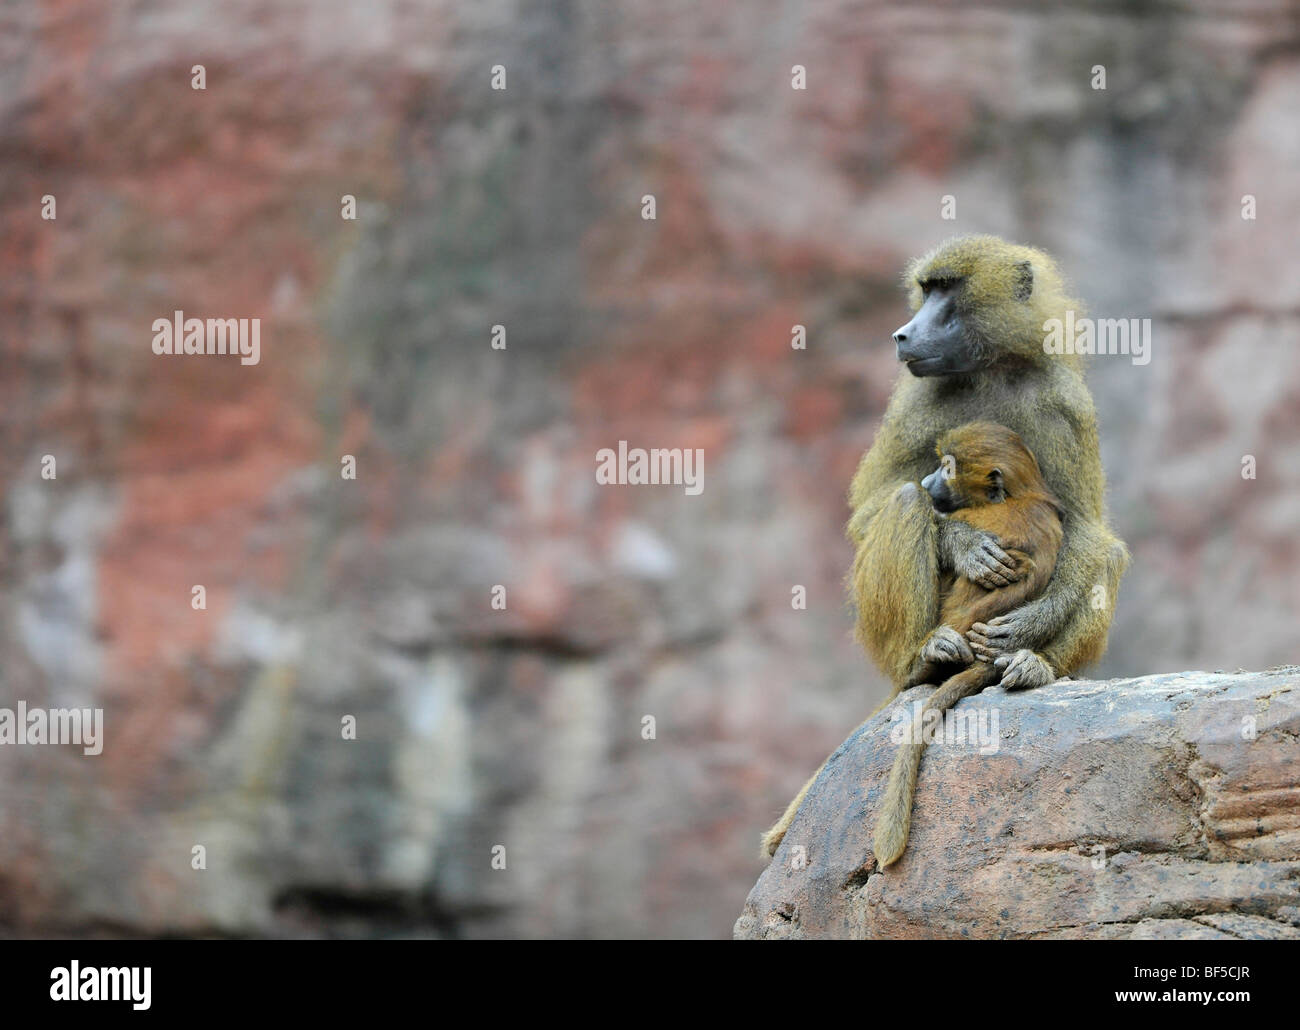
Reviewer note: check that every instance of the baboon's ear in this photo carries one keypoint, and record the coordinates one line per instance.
(1024, 280)
(997, 491)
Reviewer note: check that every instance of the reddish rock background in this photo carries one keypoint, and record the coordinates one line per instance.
(522, 207)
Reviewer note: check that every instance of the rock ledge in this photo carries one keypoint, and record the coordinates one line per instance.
(1161, 807)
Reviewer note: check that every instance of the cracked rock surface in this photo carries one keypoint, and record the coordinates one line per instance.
(1161, 807)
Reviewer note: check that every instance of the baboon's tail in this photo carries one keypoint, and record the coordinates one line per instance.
(896, 811)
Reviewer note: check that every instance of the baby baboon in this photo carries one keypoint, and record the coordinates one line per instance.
(988, 479)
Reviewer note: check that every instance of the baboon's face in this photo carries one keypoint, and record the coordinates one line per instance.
(957, 484)
(935, 341)
(942, 485)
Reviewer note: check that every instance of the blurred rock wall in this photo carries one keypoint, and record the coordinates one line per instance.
(372, 597)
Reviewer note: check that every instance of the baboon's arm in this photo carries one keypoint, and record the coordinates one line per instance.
(1069, 622)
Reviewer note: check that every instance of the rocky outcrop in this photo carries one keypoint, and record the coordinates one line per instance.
(1160, 807)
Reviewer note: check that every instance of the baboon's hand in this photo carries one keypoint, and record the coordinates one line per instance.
(945, 645)
(976, 555)
(1024, 669)
(1006, 634)
(988, 565)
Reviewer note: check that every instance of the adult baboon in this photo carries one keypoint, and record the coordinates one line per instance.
(974, 348)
